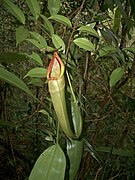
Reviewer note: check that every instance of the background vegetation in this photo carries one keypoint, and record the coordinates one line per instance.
(103, 80)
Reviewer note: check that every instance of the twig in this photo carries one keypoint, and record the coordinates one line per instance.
(72, 33)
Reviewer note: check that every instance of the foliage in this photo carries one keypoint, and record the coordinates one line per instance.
(95, 40)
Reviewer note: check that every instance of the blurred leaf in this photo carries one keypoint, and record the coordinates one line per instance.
(34, 7)
(117, 18)
(58, 42)
(106, 50)
(84, 44)
(116, 75)
(11, 57)
(47, 25)
(74, 151)
(50, 165)
(14, 10)
(89, 30)
(119, 152)
(61, 19)
(21, 34)
(130, 49)
(36, 82)
(14, 80)
(54, 6)
(37, 72)
(36, 58)
(120, 6)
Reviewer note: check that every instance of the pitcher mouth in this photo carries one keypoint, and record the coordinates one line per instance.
(56, 68)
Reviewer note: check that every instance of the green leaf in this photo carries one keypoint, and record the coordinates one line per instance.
(14, 10)
(36, 82)
(130, 49)
(119, 152)
(117, 19)
(84, 44)
(34, 7)
(39, 38)
(107, 50)
(37, 43)
(36, 58)
(50, 165)
(74, 151)
(58, 42)
(116, 75)
(47, 25)
(11, 57)
(37, 72)
(61, 19)
(21, 34)
(14, 80)
(54, 6)
(89, 30)
(76, 118)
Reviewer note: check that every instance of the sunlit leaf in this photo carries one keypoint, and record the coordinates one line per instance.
(84, 44)
(61, 19)
(21, 34)
(116, 75)
(58, 42)
(34, 7)
(89, 30)
(37, 72)
(47, 25)
(14, 80)
(14, 10)
(54, 6)
(50, 165)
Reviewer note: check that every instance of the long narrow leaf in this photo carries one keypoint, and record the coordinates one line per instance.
(34, 7)
(74, 151)
(14, 10)
(14, 80)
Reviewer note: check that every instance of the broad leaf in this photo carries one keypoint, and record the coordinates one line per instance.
(130, 49)
(14, 10)
(54, 6)
(21, 34)
(39, 38)
(37, 72)
(89, 30)
(61, 19)
(14, 80)
(74, 151)
(58, 42)
(36, 58)
(36, 82)
(116, 75)
(104, 51)
(84, 44)
(37, 43)
(50, 165)
(47, 25)
(34, 7)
